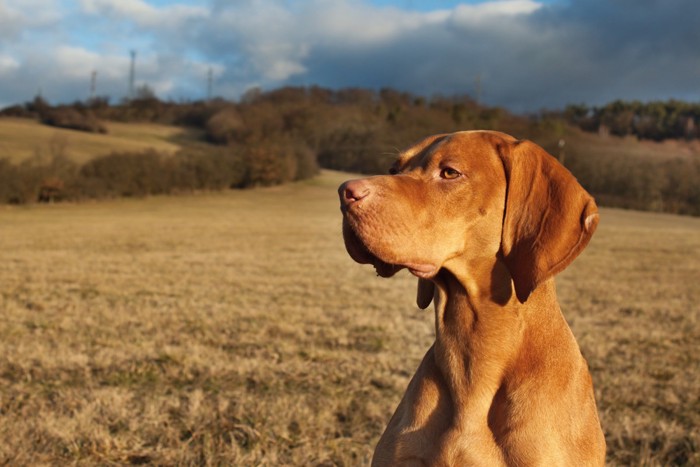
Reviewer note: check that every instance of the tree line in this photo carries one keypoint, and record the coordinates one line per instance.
(287, 134)
(657, 120)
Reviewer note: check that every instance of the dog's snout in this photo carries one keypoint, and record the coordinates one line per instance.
(352, 191)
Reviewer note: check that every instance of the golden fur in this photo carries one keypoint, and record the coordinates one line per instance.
(484, 221)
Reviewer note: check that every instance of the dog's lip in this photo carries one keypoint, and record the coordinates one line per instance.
(359, 251)
(422, 270)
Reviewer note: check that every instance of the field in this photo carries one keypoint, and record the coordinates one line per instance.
(233, 329)
(21, 139)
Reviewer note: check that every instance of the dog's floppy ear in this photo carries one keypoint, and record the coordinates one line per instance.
(549, 218)
(426, 291)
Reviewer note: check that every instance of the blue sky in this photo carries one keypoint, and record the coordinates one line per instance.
(527, 54)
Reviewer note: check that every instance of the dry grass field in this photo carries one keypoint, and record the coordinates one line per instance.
(233, 329)
(21, 139)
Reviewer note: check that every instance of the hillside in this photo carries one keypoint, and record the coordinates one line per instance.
(589, 144)
(286, 134)
(22, 138)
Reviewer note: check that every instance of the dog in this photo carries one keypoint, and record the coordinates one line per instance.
(484, 221)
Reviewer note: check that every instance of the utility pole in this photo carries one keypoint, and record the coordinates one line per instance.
(132, 74)
(210, 84)
(477, 88)
(93, 84)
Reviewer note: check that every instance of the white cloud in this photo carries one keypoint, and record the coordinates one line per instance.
(476, 13)
(143, 14)
(31, 13)
(8, 65)
(358, 23)
(9, 20)
(76, 62)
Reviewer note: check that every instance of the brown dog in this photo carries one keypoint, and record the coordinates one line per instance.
(485, 221)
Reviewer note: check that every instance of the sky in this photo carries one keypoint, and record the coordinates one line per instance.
(524, 55)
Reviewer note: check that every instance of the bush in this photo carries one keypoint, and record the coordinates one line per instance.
(17, 111)
(197, 114)
(71, 118)
(213, 169)
(127, 174)
(306, 163)
(275, 162)
(225, 126)
(12, 189)
(355, 151)
(134, 174)
(34, 180)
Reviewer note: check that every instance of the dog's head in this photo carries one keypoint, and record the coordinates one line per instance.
(469, 196)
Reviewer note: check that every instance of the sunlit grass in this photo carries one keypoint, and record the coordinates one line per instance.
(21, 139)
(233, 329)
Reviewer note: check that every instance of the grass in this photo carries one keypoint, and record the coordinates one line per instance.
(21, 139)
(233, 329)
(633, 148)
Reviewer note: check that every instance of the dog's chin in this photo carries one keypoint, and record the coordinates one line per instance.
(359, 252)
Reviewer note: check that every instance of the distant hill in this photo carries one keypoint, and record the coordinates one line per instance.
(22, 138)
(285, 134)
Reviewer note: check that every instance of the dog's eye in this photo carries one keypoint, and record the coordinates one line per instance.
(393, 171)
(449, 173)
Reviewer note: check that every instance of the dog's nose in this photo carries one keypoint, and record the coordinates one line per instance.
(352, 191)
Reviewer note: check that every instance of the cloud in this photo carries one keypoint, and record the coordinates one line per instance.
(525, 54)
(473, 15)
(8, 65)
(10, 21)
(143, 14)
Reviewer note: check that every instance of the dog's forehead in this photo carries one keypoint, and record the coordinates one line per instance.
(424, 146)
(461, 144)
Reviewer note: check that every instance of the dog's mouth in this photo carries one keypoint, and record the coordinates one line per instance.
(359, 252)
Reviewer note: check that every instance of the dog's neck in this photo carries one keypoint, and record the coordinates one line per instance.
(481, 319)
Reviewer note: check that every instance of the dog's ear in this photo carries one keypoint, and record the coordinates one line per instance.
(549, 218)
(426, 291)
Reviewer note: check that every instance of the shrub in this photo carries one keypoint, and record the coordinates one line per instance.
(17, 111)
(11, 190)
(127, 174)
(211, 169)
(266, 165)
(35, 180)
(71, 118)
(306, 163)
(276, 161)
(354, 151)
(197, 114)
(225, 126)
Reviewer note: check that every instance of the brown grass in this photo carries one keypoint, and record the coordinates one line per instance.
(587, 144)
(21, 139)
(233, 329)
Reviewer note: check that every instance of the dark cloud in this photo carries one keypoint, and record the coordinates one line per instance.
(589, 51)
